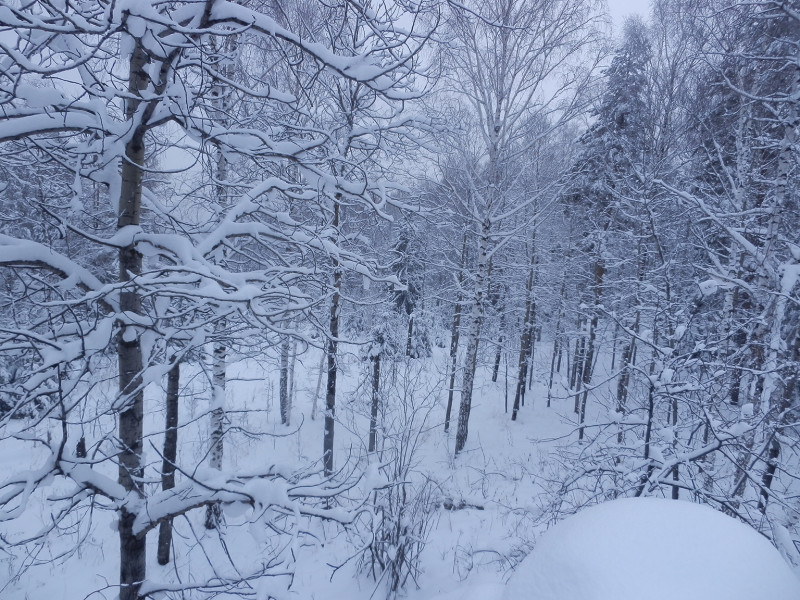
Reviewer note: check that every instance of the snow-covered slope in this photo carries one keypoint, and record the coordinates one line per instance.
(652, 549)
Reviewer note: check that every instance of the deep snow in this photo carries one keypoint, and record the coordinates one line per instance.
(654, 549)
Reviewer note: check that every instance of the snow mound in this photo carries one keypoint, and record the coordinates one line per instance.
(652, 549)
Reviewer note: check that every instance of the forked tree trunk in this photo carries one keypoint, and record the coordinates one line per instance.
(133, 548)
(170, 457)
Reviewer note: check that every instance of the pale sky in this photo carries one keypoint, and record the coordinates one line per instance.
(620, 9)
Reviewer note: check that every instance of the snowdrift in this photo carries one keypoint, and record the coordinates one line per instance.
(652, 549)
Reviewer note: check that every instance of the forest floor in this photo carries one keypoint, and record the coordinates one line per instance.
(483, 509)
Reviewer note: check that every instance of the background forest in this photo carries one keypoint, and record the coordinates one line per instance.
(347, 298)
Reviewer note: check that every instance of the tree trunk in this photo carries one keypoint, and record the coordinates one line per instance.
(292, 363)
(499, 350)
(133, 548)
(221, 103)
(577, 360)
(333, 344)
(320, 371)
(623, 384)
(586, 378)
(454, 335)
(648, 434)
(410, 335)
(526, 340)
(473, 337)
(532, 321)
(284, 382)
(591, 341)
(217, 429)
(170, 456)
(558, 340)
(373, 415)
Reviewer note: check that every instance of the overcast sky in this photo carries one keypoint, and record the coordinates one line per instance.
(622, 8)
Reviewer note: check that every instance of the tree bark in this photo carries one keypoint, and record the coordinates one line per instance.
(284, 382)
(217, 430)
(221, 103)
(555, 357)
(591, 340)
(333, 344)
(373, 415)
(170, 457)
(133, 548)
(410, 335)
(499, 350)
(526, 339)
(454, 335)
(473, 337)
(320, 371)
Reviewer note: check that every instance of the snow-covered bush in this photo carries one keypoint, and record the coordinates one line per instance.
(404, 505)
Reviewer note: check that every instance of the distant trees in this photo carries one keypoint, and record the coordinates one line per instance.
(502, 53)
(688, 172)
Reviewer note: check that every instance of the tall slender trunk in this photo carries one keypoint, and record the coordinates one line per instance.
(410, 336)
(333, 344)
(648, 434)
(221, 102)
(373, 415)
(556, 356)
(170, 456)
(614, 346)
(454, 334)
(320, 371)
(628, 357)
(499, 350)
(586, 377)
(532, 321)
(473, 337)
(284, 382)
(133, 549)
(591, 341)
(217, 428)
(577, 360)
(623, 384)
(292, 363)
(526, 340)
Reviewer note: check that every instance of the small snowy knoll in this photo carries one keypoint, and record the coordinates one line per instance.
(652, 549)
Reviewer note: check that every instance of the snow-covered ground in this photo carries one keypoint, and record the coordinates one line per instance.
(485, 514)
(652, 548)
